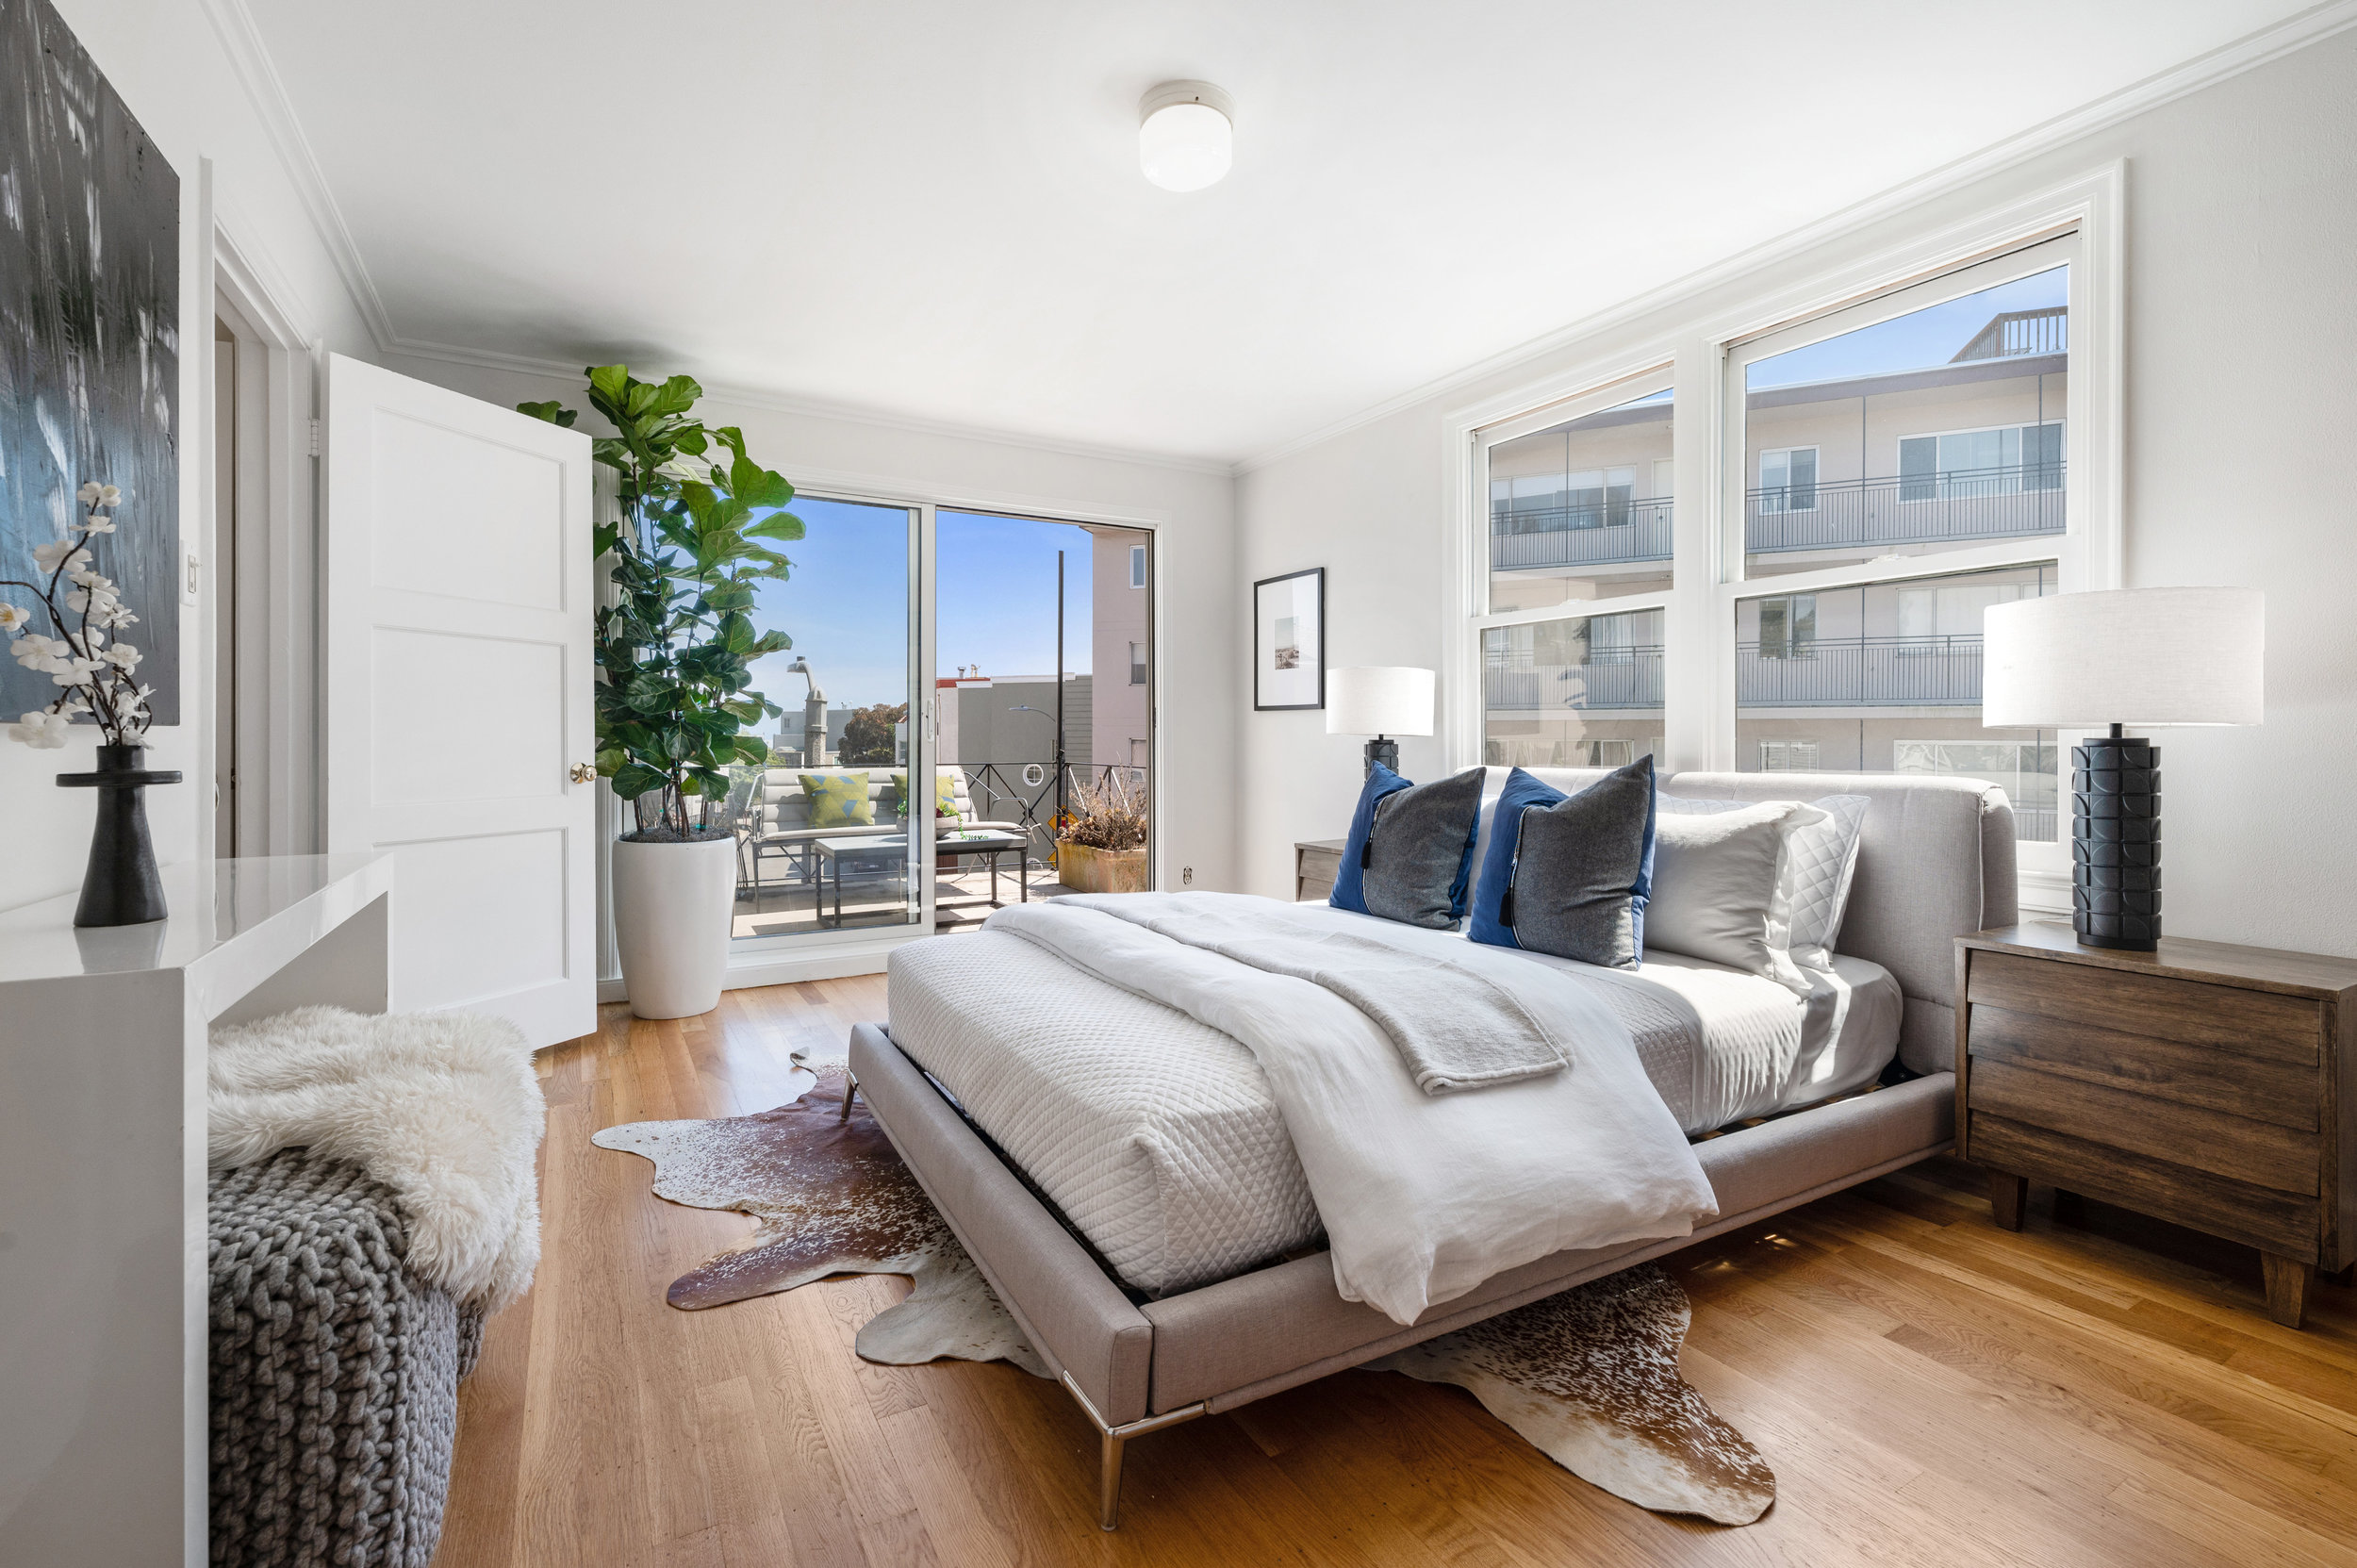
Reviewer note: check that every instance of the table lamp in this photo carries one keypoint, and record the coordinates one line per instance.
(1371, 699)
(2140, 657)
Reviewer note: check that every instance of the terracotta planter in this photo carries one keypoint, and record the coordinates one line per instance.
(1085, 870)
(673, 908)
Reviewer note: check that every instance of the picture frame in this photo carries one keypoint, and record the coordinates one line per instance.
(1289, 641)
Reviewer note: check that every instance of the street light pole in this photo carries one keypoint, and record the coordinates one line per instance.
(1060, 758)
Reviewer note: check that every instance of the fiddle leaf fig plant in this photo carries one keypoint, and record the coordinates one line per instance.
(674, 653)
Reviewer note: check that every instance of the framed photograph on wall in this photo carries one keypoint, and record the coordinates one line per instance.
(1289, 640)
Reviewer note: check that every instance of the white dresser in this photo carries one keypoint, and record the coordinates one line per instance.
(102, 1182)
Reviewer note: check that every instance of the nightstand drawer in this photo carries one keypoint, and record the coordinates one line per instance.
(2259, 1088)
(2261, 1154)
(2252, 1023)
(2282, 1223)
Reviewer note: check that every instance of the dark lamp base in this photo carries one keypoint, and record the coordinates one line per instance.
(1383, 752)
(2115, 844)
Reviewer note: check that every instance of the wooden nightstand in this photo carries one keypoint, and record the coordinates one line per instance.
(2211, 1086)
(1316, 863)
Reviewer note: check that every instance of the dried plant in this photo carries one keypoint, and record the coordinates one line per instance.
(1108, 817)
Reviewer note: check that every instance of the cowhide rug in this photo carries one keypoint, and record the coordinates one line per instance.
(1589, 1376)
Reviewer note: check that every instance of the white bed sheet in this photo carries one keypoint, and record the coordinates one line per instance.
(1159, 1139)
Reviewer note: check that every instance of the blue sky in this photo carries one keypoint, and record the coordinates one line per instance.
(1914, 341)
(847, 604)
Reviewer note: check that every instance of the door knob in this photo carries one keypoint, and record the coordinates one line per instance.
(584, 772)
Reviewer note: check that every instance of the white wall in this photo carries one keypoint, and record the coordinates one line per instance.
(1191, 509)
(2241, 397)
(165, 59)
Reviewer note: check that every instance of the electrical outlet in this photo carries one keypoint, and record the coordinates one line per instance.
(1186, 876)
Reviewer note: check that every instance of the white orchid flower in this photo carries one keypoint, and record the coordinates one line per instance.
(90, 492)
(98, 525)
(34, 651)
(59, 553)
(74, 671)
(119, 616)
(90, 579)
(44, 732)
(14, 618)
(122, 656)
(108, 495)
(96, 600)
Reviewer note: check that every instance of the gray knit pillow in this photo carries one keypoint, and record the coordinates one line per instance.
(1418, 856)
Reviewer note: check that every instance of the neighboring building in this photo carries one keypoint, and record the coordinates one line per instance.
(1881, 678)
(996, 727)
(1121, 647)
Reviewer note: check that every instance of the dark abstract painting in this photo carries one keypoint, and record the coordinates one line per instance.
(89, 338)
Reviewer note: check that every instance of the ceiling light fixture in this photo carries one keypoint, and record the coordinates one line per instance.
(1186, 136)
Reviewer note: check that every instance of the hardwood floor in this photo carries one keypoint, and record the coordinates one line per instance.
(1928, 1389)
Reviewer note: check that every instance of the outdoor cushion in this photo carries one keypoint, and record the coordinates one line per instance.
(838, 800)
(945, 792)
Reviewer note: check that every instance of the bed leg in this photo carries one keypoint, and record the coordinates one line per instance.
(850, 1083)
(1108, 1479)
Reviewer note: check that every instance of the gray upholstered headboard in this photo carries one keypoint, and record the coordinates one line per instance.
(1936, 861)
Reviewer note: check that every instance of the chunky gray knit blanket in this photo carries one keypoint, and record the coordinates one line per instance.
(335, 1372)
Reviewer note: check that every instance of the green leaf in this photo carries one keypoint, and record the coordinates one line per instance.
(777, 525)
(556, 413)
(611, 381)
(635, 778)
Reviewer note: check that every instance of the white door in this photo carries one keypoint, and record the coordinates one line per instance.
(457, 692)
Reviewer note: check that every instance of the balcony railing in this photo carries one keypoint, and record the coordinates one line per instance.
(1581, 535)
(2019, 331)
(1953, 505)
(1613, 678)
(1861, 673)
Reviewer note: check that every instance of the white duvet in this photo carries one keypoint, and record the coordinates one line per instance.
(1423, 1196)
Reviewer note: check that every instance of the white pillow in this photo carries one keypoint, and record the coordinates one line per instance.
(1813, 882)
(1715, 878)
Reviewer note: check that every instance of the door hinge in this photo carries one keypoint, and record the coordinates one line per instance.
(315, 438)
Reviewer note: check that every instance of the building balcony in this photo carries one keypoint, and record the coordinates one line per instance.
(1821, 672)
(1947, 507)
(1581, 535)
(1861, 673)
(1613, 678)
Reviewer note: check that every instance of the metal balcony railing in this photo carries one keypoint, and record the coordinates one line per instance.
(1579, 535)
(1619, 678)
(2019, 331)
(1953, 504)
(1861, 673)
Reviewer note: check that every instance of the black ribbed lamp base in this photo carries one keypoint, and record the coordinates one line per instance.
(2116, 843)
(1381, 753)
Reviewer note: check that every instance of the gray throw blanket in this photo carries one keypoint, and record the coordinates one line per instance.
(1452, 1028)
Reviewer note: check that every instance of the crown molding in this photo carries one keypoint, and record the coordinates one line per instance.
(250, 58)
(777, 403)
(2229, 59)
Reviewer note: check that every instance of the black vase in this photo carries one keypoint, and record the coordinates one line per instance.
(121, 886)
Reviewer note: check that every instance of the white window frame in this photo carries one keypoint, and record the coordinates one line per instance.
(1817, 465)
(1701, 339)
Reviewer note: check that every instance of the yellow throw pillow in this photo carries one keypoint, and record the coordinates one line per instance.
(838, 800)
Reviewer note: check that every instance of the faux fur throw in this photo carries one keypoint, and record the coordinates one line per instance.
(442, 1108)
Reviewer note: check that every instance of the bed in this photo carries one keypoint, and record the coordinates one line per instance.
(1120, 1174)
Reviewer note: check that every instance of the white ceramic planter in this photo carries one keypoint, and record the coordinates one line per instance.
(673, 904)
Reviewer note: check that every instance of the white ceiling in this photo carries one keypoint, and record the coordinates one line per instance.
(932, 209)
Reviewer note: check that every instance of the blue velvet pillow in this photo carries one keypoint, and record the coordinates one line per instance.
(1409, 854)
(1585, 876)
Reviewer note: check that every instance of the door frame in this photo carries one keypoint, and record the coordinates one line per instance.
(277, 558)
(830, 955)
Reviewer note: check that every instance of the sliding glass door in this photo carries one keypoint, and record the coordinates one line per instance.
(825, 845)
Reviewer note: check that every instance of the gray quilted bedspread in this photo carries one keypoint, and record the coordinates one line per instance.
(335, 1374)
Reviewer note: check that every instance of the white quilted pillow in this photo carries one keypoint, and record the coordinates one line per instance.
(1813, 874)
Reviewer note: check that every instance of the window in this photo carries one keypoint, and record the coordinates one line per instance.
(1584, 692)
(1137, 664)
(1137, 566)
(1787, 480)
(1581, 509)
(2006, 460)
(1933, 424)
(1787, 627)
(1886, 677)
(1141, 752)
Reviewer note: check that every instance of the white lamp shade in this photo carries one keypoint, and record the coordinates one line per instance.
(1373, 699)
(2140, 657)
